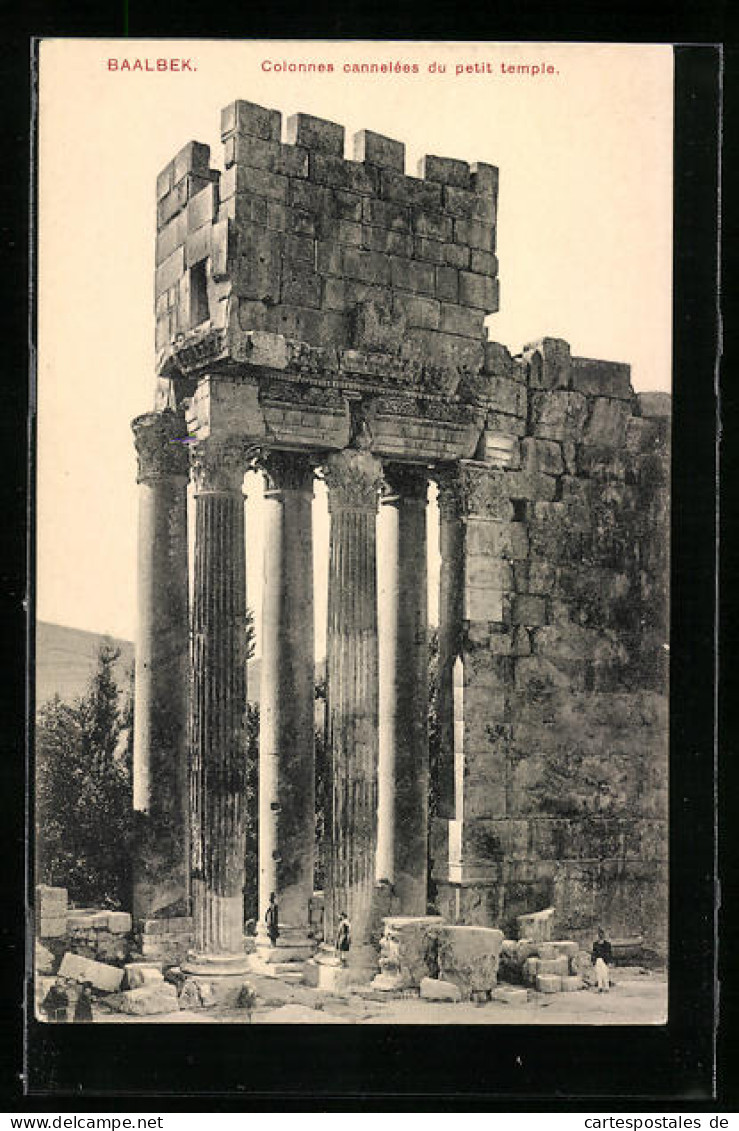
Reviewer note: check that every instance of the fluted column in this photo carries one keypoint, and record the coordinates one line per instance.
(217, 733)
(403, 629)
(353, 479)
(286, 732)
(160, 865)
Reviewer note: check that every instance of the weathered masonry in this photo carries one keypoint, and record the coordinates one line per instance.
(323, 315)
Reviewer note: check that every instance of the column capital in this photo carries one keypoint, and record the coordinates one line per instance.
(161, 449)
(286, 471)
(404, 481)
(354, 479)
(218, 466)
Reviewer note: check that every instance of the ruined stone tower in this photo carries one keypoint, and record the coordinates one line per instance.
(317, 314)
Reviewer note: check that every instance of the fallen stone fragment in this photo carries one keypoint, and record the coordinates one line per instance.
(530, 971)
(142, 974)
(536, 926)
(80, 969)
(571, 983)
(45, 960)
(468, 956)
(435, 989)
(548, 983)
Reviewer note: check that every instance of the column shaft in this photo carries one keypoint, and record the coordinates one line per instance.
(403, 629)
(353, 479)
(217, 735)
(286, 735)
(160, 866)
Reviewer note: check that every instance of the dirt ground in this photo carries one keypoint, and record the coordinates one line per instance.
(639, 997)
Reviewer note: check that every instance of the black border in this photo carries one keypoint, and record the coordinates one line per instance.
(460, 1068)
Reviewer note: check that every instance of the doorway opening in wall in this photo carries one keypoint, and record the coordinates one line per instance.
(199, 311)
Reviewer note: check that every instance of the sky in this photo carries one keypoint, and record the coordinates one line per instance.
(584, 149)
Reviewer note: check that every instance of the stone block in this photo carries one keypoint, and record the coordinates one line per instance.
(474, 233)
(483, 262)
(469, 956)
(479, 291)
(601, 378)
(529, 610)
(557, 948)
(410, 190)
(529, 970)
(376, 149)
(559, 966)
(257, 272)
(300, 285)
(316, 134)
(51, 926)
(412, 942)
(80, 969)
(198, 246)
(484, 178)
(409, 275)
(248, 118)
(549, 363)
(654, 405)
(436, 989)
(447, 283)
(366, 266)
(146, 1000)
(142, 974)
(386, 214)
(170, 237)
(542, 455)
(273, 156)
(536, 926)
(572, 983)
(446, 170)
(433, 252)
(510, 995)
(483, 605)
(456, 319)
(44, 960)
(170, 271)
(558, 414)
(418, 310)
(432, 225)
(386, 240)
(498, 449)
(457, 255)
(335, 171)
(548, 983)
(606, 424)
(192, 158)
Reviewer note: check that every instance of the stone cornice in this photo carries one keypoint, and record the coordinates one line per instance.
(354, 479)
(161, 447)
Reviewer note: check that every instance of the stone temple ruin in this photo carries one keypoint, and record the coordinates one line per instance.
(324, 316)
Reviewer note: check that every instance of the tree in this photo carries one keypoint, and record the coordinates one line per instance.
(83, 794)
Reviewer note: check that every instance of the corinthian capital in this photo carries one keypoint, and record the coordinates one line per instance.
(287, 471)
(354, 479)
(161, 448)
(218, 466)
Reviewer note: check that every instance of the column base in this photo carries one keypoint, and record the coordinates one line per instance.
(215, 965)
(328, 972)
(293, 944)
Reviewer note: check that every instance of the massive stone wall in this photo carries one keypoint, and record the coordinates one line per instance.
(554, 657)
(293, 238)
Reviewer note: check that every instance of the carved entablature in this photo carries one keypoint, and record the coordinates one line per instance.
(218, 466)
(161, 446)
(354, 479)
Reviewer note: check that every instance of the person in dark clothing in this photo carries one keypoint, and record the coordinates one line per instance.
(56, 1003)
(601, 959)
(271, 918)
(343, 937)
(83, 1008)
